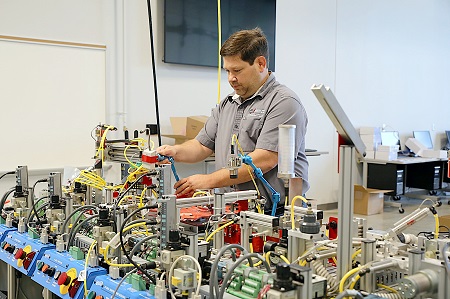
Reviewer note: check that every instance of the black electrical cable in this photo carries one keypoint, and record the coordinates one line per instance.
(155, 86)
(31, 216)
(4, 197)
(33, 198)
(87, 207)
(74, 231)
(7, 173)
(122, 195)
(122, 244)
(38, 210)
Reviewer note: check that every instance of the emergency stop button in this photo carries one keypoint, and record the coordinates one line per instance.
(64, 279)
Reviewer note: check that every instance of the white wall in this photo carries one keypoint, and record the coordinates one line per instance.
(387, 62)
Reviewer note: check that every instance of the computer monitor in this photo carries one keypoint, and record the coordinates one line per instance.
(424, 137)
(390, 138)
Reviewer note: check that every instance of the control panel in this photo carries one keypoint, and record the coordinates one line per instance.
(64, 275)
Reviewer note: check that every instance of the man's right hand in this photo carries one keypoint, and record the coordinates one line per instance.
(166, 150)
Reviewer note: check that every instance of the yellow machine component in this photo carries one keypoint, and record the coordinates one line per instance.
(26, 250)
(71, 274)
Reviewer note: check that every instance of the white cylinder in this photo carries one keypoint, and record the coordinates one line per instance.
(286, 151)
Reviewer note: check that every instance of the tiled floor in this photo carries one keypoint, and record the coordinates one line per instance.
(390, 215)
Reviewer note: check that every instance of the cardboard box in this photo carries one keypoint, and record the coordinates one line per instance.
(415, 146)
(185, 128)
(368, 201)
(371, 141)
(444, 220)
(369, 131)
(388, 148)
(370, 155)
(439, 154)
(386, 156)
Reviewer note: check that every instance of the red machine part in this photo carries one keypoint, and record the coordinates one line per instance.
(232, 234)
(332, 228)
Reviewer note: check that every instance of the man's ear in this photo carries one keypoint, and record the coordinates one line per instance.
(261, 62)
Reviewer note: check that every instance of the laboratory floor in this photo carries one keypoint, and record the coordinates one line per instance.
(390, 215)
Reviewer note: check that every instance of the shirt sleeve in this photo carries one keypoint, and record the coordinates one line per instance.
(287, 111)
(207, 135)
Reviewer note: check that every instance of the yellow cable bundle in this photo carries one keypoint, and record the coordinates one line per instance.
(90, 179)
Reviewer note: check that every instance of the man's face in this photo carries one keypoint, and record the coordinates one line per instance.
(245, 79)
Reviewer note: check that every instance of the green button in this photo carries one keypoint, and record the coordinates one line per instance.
(91, 295)
(39, 265)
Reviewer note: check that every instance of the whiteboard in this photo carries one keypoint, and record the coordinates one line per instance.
(52, 95)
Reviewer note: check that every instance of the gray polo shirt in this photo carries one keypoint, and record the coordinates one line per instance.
(255, 122)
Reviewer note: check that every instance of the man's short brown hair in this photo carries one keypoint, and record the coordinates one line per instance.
(248, 44)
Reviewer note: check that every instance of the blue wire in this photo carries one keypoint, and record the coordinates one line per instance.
(172, 165)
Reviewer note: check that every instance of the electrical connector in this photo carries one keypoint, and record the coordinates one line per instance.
(160, 289)
(196, 296)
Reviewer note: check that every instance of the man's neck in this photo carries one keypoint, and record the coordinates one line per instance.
(262, 84)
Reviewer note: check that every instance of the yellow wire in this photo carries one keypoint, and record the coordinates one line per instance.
(436, 221)
(355, 254)
(387, 288)
(285, 259)
(292, 208)
(86, 264)
(125, 155)
(140, 146)
(219, 62)
(107, 247)
(249, 169)
(218, 229)
(200, 193)
(354, 281)
(267, 257)
(334, 260)
(101, 147)
(345, 277)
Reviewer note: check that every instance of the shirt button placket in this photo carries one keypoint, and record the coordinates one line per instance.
(238, 119)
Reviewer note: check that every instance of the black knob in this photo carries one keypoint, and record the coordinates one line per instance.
(283, 272)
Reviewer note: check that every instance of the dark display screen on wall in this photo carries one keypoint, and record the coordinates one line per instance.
(190, 28)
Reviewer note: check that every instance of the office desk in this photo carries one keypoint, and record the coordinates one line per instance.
(420, 173)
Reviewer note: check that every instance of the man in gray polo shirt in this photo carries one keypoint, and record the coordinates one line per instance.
(253, 112)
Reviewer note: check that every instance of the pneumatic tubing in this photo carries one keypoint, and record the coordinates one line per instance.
(122, 244)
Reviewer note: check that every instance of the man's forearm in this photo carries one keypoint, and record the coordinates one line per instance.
(191, 151)
(265, 160)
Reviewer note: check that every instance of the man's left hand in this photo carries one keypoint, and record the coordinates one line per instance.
(187, 186)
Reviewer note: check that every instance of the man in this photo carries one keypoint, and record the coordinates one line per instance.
(253, 112)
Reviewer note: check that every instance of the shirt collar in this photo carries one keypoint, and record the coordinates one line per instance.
(260, 93)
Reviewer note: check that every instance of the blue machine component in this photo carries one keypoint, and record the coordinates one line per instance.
(4, 230)
(259, 174)
(172, 165)
(59, 272)
(22, 252)
(104, 286)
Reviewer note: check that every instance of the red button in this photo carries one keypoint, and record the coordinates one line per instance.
(63, 279)
(20, 254)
